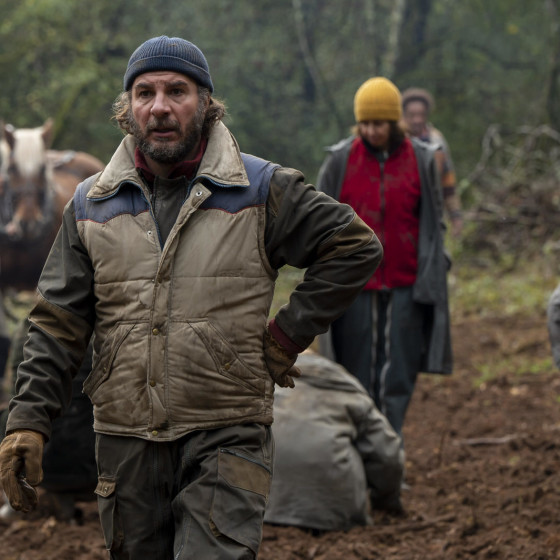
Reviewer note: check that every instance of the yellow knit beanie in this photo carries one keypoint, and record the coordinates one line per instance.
(377, 99)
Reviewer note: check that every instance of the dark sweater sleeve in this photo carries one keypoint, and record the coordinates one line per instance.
(308, 229)
(60, 328)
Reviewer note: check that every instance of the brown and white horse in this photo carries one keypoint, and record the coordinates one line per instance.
(35, 185)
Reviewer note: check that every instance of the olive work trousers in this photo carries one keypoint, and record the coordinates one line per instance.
(200, 497)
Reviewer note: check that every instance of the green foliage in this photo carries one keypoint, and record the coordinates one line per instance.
(512, 366)
(287, 70)
(475, 291)
(288, 279)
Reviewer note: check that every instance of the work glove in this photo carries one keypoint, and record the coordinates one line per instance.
(280, 364)
(21, 458)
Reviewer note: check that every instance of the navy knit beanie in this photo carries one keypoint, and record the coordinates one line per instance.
(168, 53)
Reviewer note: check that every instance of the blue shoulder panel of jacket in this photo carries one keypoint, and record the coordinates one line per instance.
(233, 199)
(129, 199)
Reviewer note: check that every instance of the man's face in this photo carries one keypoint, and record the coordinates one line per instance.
(415, 114)
(167, 116)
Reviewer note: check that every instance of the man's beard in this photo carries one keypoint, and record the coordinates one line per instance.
(169, 152)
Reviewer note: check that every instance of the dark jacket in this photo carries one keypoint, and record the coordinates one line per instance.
(430, 287)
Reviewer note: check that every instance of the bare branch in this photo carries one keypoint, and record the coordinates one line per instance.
(487, 440)
(310, 63)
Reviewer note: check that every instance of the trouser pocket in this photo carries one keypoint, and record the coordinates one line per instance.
(240, 498)
(111, 525)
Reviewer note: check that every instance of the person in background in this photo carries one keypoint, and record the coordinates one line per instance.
(69, 469)
(169, 257)
(5, 344)
(553, 324)
(418, 105)
(5, 237)
(399, 324)
(336, 457)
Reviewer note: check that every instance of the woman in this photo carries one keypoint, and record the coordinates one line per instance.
(399, 324)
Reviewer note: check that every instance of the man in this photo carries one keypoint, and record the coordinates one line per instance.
(333, 448)
(417, 106)
(169, 257)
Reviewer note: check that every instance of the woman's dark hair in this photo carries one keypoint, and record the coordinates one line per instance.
(396, 134)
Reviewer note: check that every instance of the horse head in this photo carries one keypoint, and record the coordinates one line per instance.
(35, 185)
(27, 206)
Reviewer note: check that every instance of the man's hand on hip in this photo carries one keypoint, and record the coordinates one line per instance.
(21, 457)
(280, 364)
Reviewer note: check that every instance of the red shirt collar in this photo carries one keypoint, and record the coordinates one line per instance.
(185, 168)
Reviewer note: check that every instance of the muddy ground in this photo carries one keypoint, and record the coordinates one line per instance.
(483, 465)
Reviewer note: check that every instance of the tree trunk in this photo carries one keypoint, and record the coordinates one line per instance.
(392, 52)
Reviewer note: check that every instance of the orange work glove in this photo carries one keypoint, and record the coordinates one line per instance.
(279, 362)
(21, 458)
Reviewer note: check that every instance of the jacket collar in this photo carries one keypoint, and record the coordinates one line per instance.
(221, 165)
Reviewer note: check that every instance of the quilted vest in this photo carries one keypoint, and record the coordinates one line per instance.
(178, 334)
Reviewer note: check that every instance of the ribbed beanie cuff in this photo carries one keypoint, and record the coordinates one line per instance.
(168, 53)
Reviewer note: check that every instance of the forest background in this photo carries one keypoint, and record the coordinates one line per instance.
(288, 70)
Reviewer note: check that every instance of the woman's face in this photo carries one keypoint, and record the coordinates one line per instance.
(376, 133)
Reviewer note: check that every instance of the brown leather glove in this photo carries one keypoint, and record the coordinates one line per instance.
(280, 364)
(21, 458)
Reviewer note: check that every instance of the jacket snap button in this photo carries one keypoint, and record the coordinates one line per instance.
(227, 366)
(152, 383)
(155, 332)
(154, 433)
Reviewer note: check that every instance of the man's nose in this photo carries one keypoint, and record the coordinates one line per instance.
(160, 105)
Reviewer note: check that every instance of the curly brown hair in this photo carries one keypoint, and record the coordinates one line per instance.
(122, 112)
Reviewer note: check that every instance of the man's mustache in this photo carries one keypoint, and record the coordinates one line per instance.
(163, 124)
